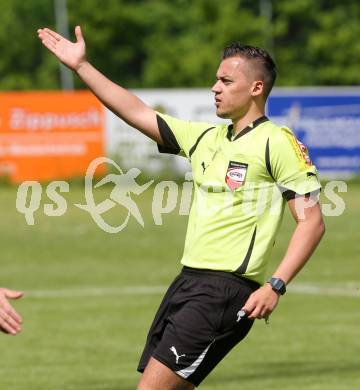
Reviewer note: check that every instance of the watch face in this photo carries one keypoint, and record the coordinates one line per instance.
(278, 285)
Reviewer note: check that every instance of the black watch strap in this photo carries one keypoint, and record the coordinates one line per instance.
(278, 285)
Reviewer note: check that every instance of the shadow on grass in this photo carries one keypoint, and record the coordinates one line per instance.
(100, 385)
(281, 370)
(285, 370)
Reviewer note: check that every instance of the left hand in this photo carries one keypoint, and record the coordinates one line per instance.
(261, 303)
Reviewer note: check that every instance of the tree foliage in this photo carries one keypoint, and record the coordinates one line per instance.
(161, 43)
(315, 42)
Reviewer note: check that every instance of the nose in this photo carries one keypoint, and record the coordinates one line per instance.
(216, 87)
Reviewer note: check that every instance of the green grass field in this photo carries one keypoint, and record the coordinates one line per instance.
(91, 297)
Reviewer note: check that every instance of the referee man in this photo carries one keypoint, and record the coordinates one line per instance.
(238, 171)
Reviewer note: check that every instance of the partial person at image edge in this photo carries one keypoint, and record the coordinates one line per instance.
(10, 319)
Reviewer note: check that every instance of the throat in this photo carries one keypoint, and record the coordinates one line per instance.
(235, 134)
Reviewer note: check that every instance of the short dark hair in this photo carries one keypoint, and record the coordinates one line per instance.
(265, 63)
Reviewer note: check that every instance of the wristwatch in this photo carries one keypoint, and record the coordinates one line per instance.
(278, 285)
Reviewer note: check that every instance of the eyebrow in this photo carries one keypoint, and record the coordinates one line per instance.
(222, 77)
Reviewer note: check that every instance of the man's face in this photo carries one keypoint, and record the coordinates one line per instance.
(235, 87)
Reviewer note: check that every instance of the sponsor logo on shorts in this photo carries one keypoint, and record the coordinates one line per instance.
(177, 357)
(240, 314)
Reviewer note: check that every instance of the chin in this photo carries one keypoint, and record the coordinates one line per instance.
(223, 115)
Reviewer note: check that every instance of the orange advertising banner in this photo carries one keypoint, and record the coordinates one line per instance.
(49, 135)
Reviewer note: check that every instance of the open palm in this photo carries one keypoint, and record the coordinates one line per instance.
(71, 54)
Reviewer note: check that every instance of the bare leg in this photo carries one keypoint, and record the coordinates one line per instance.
(159, 377)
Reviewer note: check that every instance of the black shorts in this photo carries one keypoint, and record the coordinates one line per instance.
(198, 322)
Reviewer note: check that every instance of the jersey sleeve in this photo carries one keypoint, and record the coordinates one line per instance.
(291, 166)
(179, 136)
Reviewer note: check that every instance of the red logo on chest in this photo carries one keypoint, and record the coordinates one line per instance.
(236, 175)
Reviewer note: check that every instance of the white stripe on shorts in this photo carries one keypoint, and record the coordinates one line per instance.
(186, 372)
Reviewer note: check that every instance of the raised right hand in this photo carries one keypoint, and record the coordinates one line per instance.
(71, 54)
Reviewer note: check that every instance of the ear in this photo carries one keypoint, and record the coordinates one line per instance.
(257, 88)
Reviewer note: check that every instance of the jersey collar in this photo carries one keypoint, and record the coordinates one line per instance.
(248, 128)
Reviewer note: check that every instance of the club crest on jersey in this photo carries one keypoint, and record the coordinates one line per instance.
(236, 175)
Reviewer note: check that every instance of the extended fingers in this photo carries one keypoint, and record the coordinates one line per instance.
(53, 34)
(15, 315)
(10, 320)
(45, 36)
(8, 323)
(49, 44)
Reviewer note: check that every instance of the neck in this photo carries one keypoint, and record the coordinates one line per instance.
(250, 116)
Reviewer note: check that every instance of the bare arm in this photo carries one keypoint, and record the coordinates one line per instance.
(308, 232)
(120, 101)
(10, 320)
